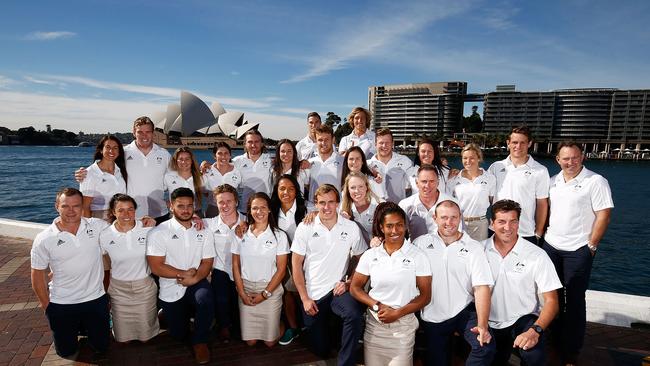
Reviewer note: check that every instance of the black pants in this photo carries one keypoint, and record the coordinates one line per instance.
(66, 320)
(574, 270)
(505, 338)
(197, 303)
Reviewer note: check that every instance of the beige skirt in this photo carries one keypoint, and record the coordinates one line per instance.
(133, 306)
(261, 321)
(389, 344)
(477, 229)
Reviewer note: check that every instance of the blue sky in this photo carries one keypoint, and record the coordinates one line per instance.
(97, 65)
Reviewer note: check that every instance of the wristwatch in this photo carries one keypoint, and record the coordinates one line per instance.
(537, 329)
(266, 294)
(375, 307)
(591, 247)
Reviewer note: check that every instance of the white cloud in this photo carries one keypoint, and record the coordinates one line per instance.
(300, 111)
(95, 115)
(500, 17)
(366, 35)
(6, 82)
(234, 73)
(48, 36)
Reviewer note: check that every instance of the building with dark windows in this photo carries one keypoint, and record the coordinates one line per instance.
(413, 110)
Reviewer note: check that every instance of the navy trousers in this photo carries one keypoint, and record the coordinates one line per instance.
(67, 319)
(505, 338)
(350, 311)
(197, 303)
(574, 270)
(225, 300)
(437, 340)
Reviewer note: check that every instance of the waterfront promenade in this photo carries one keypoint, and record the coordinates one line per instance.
(25, 338)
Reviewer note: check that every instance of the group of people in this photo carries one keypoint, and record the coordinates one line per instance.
(360, 233)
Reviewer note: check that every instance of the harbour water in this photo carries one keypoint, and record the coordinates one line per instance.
(30, 175)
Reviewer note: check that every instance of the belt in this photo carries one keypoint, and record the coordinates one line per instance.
(475, 218)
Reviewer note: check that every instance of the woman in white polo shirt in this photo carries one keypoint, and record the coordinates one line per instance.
(359, 202)
(184, 172)
(355, 162)
(221, 172)
(286, 162)
(259, 262)
(106, 177)
(400, 285)
(132, 290)
(474, 188)
(360, 136)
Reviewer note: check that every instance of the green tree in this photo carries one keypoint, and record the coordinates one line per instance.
(342, 130)
(332, 119)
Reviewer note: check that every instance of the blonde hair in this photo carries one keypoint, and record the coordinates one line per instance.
(358, 110)
(473, 147)
(346, 204)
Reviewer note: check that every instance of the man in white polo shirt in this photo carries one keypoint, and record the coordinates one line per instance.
(307, 148)
(325, 253)
(146, 165)
(75, 298)
(326, 166)
(581, 205)
(420, 207)
(390, 165)
(521, 271)
(255, 167)
(460, 291)
(182, 257)
(525, 181)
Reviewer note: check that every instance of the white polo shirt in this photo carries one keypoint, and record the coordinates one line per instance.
(182, 248)
(420, 219)
(256, 176)
(365, 219)
(573, 207)
(523, 184)
(74, 259)
(392, 277)
(473, 195)
(525, 272)
(366, 142)
(395, 179)
(303, 179)
(102, 186)
(258, 255)
(127, 251)
(146, 179)
(322, 172)
(287, 221)
(443, 179)
(224, 236)
(213, 179)
(327, 253)
(456, 270)
(306, 148)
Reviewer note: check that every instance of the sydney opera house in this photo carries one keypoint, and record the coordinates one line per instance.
(194, 124)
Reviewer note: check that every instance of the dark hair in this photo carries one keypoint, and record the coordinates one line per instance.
(225, 188)
(428, 168)
(68, 192)
(437, 159)
(522, 130)
(277, 164)
(364, 165)
(219, 145)
(276, 205)
(325, 129)
(570, 143)
(196, 173)
(120, 161)
(505, 205)
(141, 121)
(118, 197)
(272, 221)
(181, 192)
(314, 114)
(254, 133)
(383, 209)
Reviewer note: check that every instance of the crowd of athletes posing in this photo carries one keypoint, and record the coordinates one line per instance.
(360, 232)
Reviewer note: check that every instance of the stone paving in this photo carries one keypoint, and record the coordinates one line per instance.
(25, 337)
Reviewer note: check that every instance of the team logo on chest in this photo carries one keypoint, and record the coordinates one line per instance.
(265, 164)
(174, 237)
(343, 235)
(112, 242)
(142, 240)
(60, 242)
(268, 244)
(159, 160)
(463, 252)
(199, 237)
(528, 173)
(519, 267)
(90, 233)
(129, 157)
